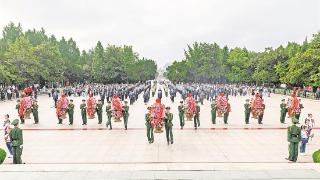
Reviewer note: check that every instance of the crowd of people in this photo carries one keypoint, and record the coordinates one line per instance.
(159, 116)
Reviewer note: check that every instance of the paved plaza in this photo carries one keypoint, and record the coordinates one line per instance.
(233, 151)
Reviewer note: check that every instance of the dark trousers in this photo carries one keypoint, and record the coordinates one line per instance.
(36, 117)
(70, 115)
(16, 151)
(246, 117)
(293, 151)
(150, 134)
(109, 122)
(9, 146)
(84, 118)
(125, 121)
(213, 117)
(99, 117)
(196, 120)
(169, 134)
(181, 118)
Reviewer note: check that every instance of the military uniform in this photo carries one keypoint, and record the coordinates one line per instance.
(109, 115)
(35, 113)
(298, 111)
(168, 127)
(83, 108)
(226, 114)
(125, 111)
(181, 115)
(99, 112)
(283, 112)
(294, 137)
(196, 118)
(149, 129)
(213, 113)
(16, 138)
(70, 113)
(247, 110)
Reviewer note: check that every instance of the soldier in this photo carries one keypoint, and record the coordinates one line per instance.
(109, 114)
(181, 114)
(70, 111)
(196, 118)
(99, 111)
(35, 114)
(125, 112)
(149, 127)
(83, 108)
(226, 114)
(18, 105)
(247, 110)
(16, 138)
(260, 117)
(297, 111)
(283, 111)
(294, 137)
(213, 112)
(168, 125)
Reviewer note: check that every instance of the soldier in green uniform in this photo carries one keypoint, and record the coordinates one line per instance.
(297, 111)
(283, 111)
(18, 108)
(125, 111)
(149, 127)
(181, 110)
(226, 114)
(247, 110)
(83, 108)
(213, 112)
(70, 111)
(294, 137)
(17, 142)
(109, 114)
(99, 111)
(260, 117)
(196, 118)
(168, 125)
(18, 105)
(35, 114)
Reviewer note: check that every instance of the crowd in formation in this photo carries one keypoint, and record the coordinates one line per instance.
(158, 117)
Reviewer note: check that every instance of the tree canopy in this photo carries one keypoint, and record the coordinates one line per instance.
(35, 57)
(297, 64)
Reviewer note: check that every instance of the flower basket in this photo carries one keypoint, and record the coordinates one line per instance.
(117, 119)
(158, 129)
(27, 115)
(63, 115)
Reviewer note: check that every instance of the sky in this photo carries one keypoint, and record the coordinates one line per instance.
(162, 29)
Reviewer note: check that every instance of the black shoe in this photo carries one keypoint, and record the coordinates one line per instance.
(171, 142)
(99, 123)
(195, 128)
(168, 143)
(110, 128)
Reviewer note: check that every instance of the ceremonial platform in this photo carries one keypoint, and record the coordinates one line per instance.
(232, 151)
